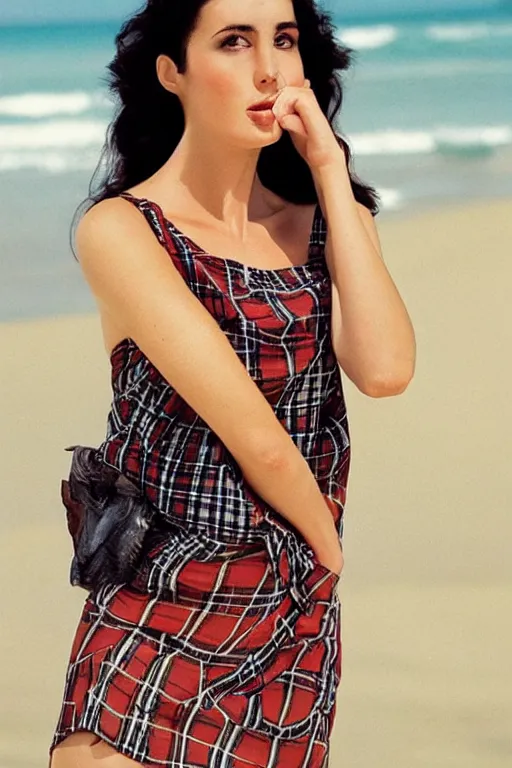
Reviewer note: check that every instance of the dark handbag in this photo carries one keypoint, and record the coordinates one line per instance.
(108, 518)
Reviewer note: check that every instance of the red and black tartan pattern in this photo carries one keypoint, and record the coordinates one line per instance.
(175, 683)
(225, 649)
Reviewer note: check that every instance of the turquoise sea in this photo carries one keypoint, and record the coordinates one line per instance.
(427, 111)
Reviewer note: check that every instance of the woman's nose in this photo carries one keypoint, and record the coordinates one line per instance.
(269, 75)
(267, 68)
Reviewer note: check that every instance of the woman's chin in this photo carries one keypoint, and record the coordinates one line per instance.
(256, 138)
(269, 135)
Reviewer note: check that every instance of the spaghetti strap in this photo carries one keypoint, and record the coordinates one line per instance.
(152, 214)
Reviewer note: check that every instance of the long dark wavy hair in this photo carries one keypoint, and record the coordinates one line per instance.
(149, 120)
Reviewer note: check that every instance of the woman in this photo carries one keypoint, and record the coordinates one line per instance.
(223, 648)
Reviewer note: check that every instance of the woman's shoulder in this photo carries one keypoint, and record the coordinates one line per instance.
(106, 213)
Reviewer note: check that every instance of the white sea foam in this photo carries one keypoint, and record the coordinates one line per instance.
(462, 33)
(48, 161)
(457, 33)
(391, 199)
(369, 37)
(37, 105)
(53, 133)
(489, 136)
(382, 35)
(443, 138)
(441, 68)
(392, 142)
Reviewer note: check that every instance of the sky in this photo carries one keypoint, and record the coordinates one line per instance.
(52, 10)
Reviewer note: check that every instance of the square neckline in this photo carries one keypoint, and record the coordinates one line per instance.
(234, 263)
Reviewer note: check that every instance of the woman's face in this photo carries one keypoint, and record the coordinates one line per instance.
(228, 71)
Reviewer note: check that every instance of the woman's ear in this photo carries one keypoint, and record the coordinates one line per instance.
(167, 73)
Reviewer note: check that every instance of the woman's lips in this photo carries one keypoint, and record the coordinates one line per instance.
(263, 117)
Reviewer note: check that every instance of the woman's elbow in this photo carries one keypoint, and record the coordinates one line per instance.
(387, 386)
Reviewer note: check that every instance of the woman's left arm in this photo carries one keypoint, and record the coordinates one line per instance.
(372, 334)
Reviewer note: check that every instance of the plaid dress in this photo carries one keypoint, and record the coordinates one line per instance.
(224, 651)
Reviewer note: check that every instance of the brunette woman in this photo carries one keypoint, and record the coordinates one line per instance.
(236, 264)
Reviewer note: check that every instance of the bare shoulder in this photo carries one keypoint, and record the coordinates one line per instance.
(108, 218)
(116, 250)
(113, 238)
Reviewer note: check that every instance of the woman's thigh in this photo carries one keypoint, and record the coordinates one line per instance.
(84, 749)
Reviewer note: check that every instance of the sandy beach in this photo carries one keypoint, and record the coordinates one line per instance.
(427, 585)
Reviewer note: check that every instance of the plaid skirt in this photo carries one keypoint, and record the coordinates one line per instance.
(231, 670)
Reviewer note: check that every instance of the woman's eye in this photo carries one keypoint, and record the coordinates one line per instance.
(290, 39)
(234, 38)
(228, 40)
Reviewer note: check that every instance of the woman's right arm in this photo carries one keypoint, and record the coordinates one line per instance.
(133, 277)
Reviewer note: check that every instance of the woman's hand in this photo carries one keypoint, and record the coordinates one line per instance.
(333, 561)
(297, 110)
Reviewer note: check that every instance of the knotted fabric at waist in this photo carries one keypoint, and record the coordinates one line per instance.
(189, 565)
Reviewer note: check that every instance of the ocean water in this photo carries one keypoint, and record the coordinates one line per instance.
(427, 112)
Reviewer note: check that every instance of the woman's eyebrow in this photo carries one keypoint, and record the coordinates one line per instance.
(249, 28)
